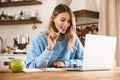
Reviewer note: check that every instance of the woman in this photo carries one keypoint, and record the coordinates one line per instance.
(57, 50)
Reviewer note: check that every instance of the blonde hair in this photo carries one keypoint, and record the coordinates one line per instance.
(71, 32)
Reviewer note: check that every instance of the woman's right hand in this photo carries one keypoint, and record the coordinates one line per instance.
(52, 38)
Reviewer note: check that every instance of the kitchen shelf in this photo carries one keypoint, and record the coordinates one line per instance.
(84, 17)
(86, 13)
(13, 22)
(20, 3)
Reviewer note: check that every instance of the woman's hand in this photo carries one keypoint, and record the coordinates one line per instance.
(58, 64)
(52, 38)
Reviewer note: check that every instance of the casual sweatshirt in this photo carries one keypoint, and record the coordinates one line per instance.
(38, 56)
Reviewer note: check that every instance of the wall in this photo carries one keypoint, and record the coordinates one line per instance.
(85, 4)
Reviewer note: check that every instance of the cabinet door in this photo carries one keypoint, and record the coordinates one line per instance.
(5, 60)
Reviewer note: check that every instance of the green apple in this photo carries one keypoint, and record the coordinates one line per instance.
(17, 65)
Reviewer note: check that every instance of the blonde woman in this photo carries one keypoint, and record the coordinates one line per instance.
(59, 48)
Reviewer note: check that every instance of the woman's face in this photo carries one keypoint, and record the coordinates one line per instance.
(62, 20)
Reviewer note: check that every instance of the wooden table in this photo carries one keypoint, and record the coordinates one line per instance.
(67, 75)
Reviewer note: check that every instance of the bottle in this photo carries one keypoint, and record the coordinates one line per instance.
(3, 16)
(21, 15)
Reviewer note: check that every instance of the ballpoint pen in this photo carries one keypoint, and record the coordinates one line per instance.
(58, 33)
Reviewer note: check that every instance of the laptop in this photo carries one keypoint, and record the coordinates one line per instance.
(99, 53)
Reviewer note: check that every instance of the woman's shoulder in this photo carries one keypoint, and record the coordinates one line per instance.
(76, 39)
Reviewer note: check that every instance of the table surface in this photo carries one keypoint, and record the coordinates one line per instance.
(64, 75)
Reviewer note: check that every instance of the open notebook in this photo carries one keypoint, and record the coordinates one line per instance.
(99, 54)
(44, 69)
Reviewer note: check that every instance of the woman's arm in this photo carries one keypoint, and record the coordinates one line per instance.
(77, 56)
(38, 55)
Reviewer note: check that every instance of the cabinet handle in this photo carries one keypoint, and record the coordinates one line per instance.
(6, 63)
(11, 58)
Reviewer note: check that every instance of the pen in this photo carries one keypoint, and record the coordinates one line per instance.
(58, 33)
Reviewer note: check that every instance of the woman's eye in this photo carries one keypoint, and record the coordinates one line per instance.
(62, 20)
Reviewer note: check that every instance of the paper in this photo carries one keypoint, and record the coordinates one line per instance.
(32, 70)
(43, 69)
(53, 69)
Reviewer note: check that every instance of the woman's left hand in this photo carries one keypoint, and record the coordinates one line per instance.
(58, 64)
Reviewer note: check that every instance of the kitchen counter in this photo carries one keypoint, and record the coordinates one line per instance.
(62, 75)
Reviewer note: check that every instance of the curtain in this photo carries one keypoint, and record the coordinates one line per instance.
(109, 22)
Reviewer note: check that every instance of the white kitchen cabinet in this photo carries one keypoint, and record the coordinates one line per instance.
(6, 58)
